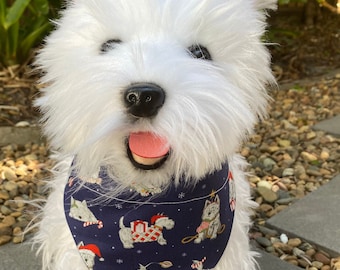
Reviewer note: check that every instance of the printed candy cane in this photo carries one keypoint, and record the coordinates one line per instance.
(198, 264)
(98, 222)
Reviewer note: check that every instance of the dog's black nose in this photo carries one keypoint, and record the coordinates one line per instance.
(144, 99)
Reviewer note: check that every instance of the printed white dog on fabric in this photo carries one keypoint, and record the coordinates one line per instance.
(145, 104)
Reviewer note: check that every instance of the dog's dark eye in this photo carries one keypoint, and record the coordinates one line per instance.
(109, 45)
(200, 52)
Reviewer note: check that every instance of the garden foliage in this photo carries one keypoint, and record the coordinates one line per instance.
(23, 24)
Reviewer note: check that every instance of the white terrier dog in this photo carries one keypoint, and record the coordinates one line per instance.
(146, 103)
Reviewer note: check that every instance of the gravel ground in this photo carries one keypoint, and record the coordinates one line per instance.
(288, 159)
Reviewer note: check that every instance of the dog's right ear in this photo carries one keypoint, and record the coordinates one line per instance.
(207, 203)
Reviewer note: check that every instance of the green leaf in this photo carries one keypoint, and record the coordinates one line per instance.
(2, 43)
(23, 24)
(315, 162)
(40, 7)
(32, 38)
(3, 33)
(15, 12)
(12, 43)
(3, 9)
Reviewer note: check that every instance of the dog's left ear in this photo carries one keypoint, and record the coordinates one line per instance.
(265, 4)
(217, 199)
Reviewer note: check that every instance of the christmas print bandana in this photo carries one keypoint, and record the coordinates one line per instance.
(146, 228)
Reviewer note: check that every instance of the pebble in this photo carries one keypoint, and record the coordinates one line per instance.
(5, 229)
(8, 221)
(22, 124)
(266, 231)
(285, 201)
(322, 257)
(21, 171)
(268, 164)
(9, 174)
(309, 157)
(263, 241)
(4, 195)
(297, 252)
(266, 207)
(313, 172)
(317, 264)
(278, 171)
(310, 252)
(21, 168)
(4, 239)
(324, 154)
(284, 143)
(288, 126)
(282, 186)
(335, 263)
(18, 236)
(311, 135)
(294, 242)
(303, 263)
(288, 172)
(12, 188)
(265, 184)
(267, 194)
(284, 238)
(283, 247)
(5, 210)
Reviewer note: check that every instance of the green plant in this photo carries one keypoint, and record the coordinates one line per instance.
(23, 24)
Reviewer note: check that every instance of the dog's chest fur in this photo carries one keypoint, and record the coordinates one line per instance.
(185, 227)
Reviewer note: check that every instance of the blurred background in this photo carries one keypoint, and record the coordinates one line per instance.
(304, 37)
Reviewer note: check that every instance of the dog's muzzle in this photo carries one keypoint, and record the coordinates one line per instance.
(144, 99)
(146, 150)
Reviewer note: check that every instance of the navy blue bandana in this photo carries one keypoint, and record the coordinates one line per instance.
(146, 228)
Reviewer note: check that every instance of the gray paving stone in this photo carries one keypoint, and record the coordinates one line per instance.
(19, 135)
(18, 257)
(331, 126)
(315, 218)
(270, 262)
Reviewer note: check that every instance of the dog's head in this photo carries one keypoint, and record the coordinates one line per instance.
(211, 209)
(154, 89)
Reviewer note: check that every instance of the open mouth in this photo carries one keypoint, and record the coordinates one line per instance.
(147, 150)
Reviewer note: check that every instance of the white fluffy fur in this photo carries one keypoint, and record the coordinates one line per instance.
(210, 107)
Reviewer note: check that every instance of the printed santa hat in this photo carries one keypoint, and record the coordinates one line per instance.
(156, 217)
(94, 249)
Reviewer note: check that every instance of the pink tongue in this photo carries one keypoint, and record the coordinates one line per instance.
(148, 145)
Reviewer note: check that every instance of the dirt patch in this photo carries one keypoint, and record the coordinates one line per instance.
(17, 92)
(304, 51)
